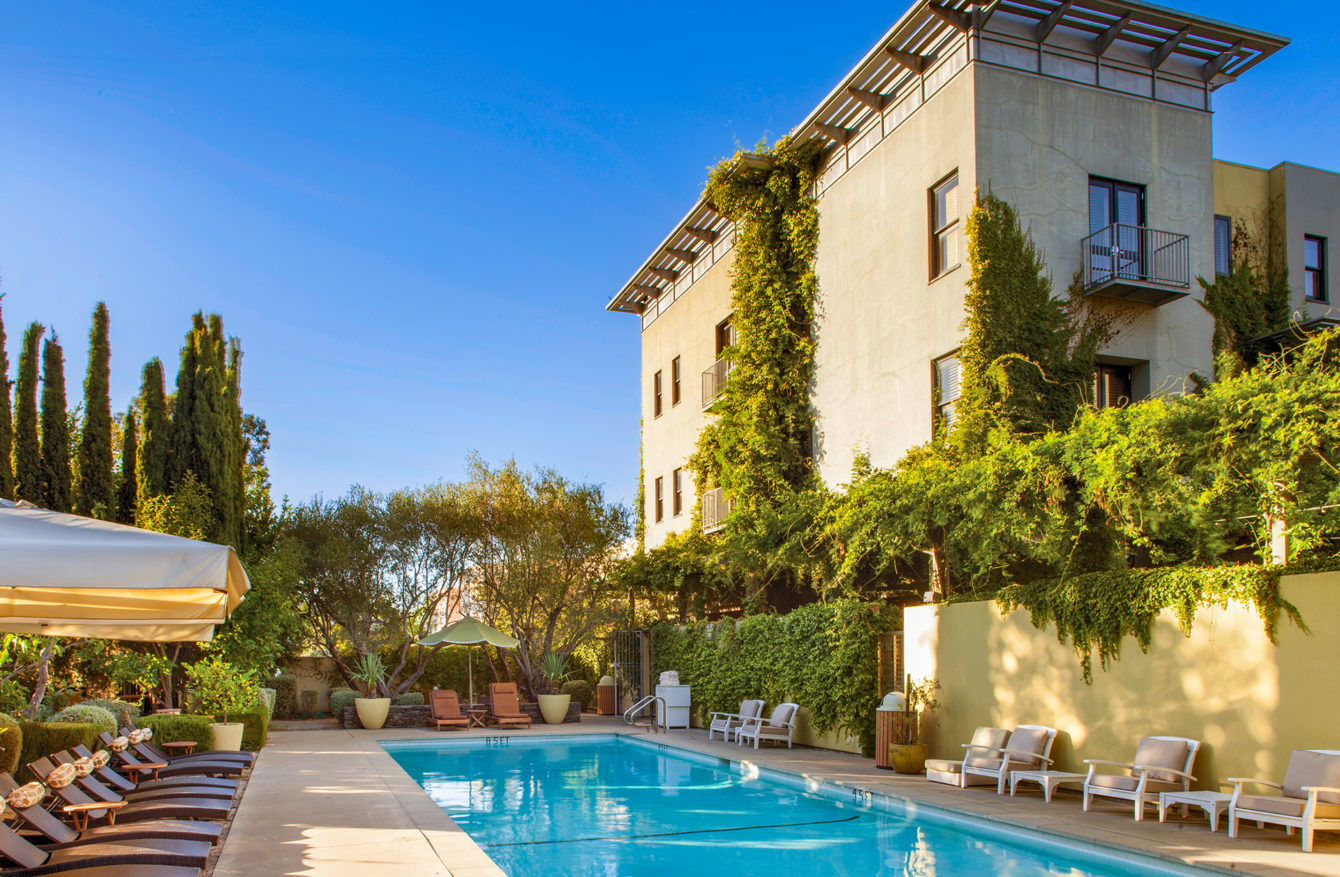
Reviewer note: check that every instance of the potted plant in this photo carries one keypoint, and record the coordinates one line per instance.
(554, 670)
(372, 710)
(909, 756)
(219, 689)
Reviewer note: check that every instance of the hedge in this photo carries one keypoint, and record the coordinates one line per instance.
(410, 698)
(580, 690)
(825, 657)
(41, 739)
(170, 729)
(126, 713)
(257, 722)
(286, 695)
(11, 744)
(341, 698)
(87, 714)
(268, 696)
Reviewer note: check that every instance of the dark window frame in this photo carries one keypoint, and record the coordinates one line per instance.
(660, 500)
(1224, 222)
(724, 335)
(1316, 272)
(938, 232)
(677, 492)
(676, 371)
(656, 401)
(940, 417)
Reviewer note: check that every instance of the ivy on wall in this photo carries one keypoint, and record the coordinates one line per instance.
(758, 448)
(823, 657)
(1248, 304)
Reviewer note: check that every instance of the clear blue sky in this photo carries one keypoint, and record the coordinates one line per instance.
(413, 215)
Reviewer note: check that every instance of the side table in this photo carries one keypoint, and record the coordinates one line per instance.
(1048, 779)
(180, 747)
(478, 718)
(1213, 803)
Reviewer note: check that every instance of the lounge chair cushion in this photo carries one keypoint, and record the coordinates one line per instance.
(944, 765)
(1029, 739)
(1307, 768)
(990, 739)
(1160, 753)
(1128, 783)
(1286, 806)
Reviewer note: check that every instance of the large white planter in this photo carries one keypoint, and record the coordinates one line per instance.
(372, 711)
(227, 736)
(554, 707)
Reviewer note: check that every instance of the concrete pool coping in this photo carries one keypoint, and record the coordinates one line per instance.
(333, 802)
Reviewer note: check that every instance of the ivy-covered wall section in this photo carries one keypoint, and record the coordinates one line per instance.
(823, 657)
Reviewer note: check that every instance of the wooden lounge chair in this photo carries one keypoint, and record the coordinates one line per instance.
(726, 724)
(130, 790)
(102, 792)
(137, 766)
(982, 749)
(151, 751)
(180, 858)
(133, 811)
(777, 728)
(1309, 799)
(46, 823)
(504, 708)
(446, 710)
(1161, 764)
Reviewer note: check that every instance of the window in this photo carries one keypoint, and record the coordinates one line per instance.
(725, 336)
(1314, 268)
(1116, 217)
(674, 381)
(944, 226)
(1223, 245)
(1113, 202)
(677, 489)
(1112, 386)
(948, 381)
(660, 499)
(656, 394)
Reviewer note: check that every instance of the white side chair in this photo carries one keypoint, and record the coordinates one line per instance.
(777, 728)
(1161, 764)
(986, 744)
(727, 724)
(1310, 798)
(1029, 748)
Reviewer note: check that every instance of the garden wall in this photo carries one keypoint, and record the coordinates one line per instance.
(1249, 700)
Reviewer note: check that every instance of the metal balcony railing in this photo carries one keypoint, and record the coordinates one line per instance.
(1124, 258)
(716, 506)
(714, 381)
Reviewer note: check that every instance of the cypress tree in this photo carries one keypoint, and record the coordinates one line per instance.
(96, 488)
(56, 476)
(238, 443)
(28, 482)
(182, 456)
(127, 495)
(151, 463)
(6, 417)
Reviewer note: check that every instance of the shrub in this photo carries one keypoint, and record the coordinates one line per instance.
(11, 743)
(86, 714)
(447, 668)
(222, 688)
(309, 703)
(410, 698)
(341, 698)
(257, 724)
(286, 695)
(170, 729)
(268, 696)
(13, 696)
(124, 712)
(41, 739)
(580, 690)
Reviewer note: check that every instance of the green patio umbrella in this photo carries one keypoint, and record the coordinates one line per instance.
(470, 631)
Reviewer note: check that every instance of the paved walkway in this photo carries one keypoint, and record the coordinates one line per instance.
(332, 802)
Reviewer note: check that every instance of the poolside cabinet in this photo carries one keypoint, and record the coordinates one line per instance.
(676, 712)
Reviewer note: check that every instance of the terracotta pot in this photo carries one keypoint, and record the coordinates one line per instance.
(372, 711)
(554, 707)
(908, 758)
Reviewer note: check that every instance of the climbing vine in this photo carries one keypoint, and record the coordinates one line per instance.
(758, 448)
(1249, 304)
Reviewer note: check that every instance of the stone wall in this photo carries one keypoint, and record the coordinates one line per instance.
(419, 716)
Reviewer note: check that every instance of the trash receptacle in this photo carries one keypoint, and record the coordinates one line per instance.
(890, 724)
(605, 702)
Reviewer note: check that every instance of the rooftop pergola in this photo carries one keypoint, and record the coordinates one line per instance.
(1188, 51)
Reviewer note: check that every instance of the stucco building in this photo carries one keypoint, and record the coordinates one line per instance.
(1093, 119)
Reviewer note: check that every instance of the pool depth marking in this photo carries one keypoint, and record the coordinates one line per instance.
(575, 840)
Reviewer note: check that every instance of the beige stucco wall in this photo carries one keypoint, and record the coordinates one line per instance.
(1038, 142)
(687, 329)
(1311, 206)
(881, 320)
(1242, 193)
(1249, 700)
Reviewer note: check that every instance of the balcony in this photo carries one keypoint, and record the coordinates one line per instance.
(714, 381)
(1135, 263)
(716, 506)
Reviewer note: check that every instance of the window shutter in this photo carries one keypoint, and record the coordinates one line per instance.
(948, 374)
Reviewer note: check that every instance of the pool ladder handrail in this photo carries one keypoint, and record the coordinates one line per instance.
(642, 704)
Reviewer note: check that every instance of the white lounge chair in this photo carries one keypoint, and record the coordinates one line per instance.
(778, 727)
(1161, 764)
(1029, 748)
(1310, 799)
(986, 744)
(727, 724)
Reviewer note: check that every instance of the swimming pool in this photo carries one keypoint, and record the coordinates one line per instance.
(615, 805)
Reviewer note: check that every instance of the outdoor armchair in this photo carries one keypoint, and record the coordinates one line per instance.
(504, 708)
(1309, 797)
(1029, 748)
(727, 724)
(984, 747)
(777, 728)
(446, 709)
(1161, 764)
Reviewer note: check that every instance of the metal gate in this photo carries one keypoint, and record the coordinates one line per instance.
(630, 665)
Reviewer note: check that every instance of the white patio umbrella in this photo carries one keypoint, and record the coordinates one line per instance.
(470, 631)
(67, 575)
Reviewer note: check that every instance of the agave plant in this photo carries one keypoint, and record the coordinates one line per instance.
(554, 669)
(371, 672)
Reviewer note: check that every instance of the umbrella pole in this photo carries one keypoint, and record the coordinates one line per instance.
(470, 662)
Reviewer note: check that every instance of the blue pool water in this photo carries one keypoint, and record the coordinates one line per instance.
(608, 805)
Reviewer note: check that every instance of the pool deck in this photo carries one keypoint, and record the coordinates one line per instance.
(333, 802)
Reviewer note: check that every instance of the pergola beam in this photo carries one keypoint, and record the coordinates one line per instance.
(706, 235)
(1212, 67)
(955, 18)
(668, 274)
(688, 257)
(1109, 36)
(1048, 24)
(912, 61)
(873, 100)
(841, 136)
(1163, 52)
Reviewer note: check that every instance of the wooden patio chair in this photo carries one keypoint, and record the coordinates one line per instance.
(505, 708)
(446, 710)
